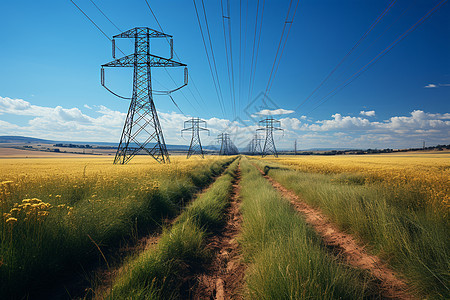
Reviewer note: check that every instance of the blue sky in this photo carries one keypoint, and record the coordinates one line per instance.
(51, 56)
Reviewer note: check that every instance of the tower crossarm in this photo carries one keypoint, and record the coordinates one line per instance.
(157, 61)
(126, 61)
(143, 60)
(142, 32)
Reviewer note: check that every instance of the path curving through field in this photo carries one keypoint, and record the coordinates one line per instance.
(391, 286)
(223, 278)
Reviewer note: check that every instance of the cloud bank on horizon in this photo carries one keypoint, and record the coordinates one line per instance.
(101, 124)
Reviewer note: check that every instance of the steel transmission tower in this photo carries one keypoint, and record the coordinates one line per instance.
(269, 125)
(194, 125)
(142, 131)
(227, 147)
(255, 145)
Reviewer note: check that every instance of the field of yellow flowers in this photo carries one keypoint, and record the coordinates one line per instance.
(397, 204)
(55, 213)
(428, 173)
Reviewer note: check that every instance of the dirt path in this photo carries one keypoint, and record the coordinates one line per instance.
(106, 276)
(223, 278)
(391, 286)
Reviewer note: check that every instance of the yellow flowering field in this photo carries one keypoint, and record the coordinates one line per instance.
(29, 169)
(57, 210)
(428, 171)
(48, 178)
(31, 189)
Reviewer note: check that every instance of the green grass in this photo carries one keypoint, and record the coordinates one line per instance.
(412, 238)
(34, 254)
(158, 272)
(287, 260)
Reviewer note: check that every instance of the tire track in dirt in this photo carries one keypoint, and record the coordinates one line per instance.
(223, 278)
(390, 285)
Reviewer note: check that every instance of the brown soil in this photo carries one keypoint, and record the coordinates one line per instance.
(223, 278)
(106, 276)
(347, 247)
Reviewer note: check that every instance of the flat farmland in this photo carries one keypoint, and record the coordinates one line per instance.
(241, 227)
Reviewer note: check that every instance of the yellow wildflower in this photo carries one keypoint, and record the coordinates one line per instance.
(15, 210)
(11, 221)
(43, 213)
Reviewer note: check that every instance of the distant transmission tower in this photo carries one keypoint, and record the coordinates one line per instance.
(255, 145)
(142, 131)
(194, 125)
(227, 147)
(269, 125)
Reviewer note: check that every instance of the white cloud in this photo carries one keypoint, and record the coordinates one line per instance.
(291, 123)
(370, 113)
(397, 131)
(430, 85)
(279, 111)
(87, 106)
(105, 124)
(61, 123)
(417, 120)
(8, 126)
(339, 122)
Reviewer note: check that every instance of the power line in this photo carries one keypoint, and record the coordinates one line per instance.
(229, 61)
(216, 85)
(240, 51)
(377, 20)
(257, 46)
(377, 38)
(278, 59)
(245, 46)
(154, 79)
(98, 27)
(154, 16)
(176, 54)
(167, 39)
(212, 52)
(279, 45)
(253, 51)
(358, 73)
(284, 45)
(255, 57)
(79, 8)
(105, 15)
(231, 55)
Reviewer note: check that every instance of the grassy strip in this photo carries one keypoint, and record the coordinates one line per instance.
(157, 273)
(287, 259)
(412, 238)
(36, 251)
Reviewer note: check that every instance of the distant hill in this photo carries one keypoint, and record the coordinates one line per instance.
(21, 139)
(30, 140)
